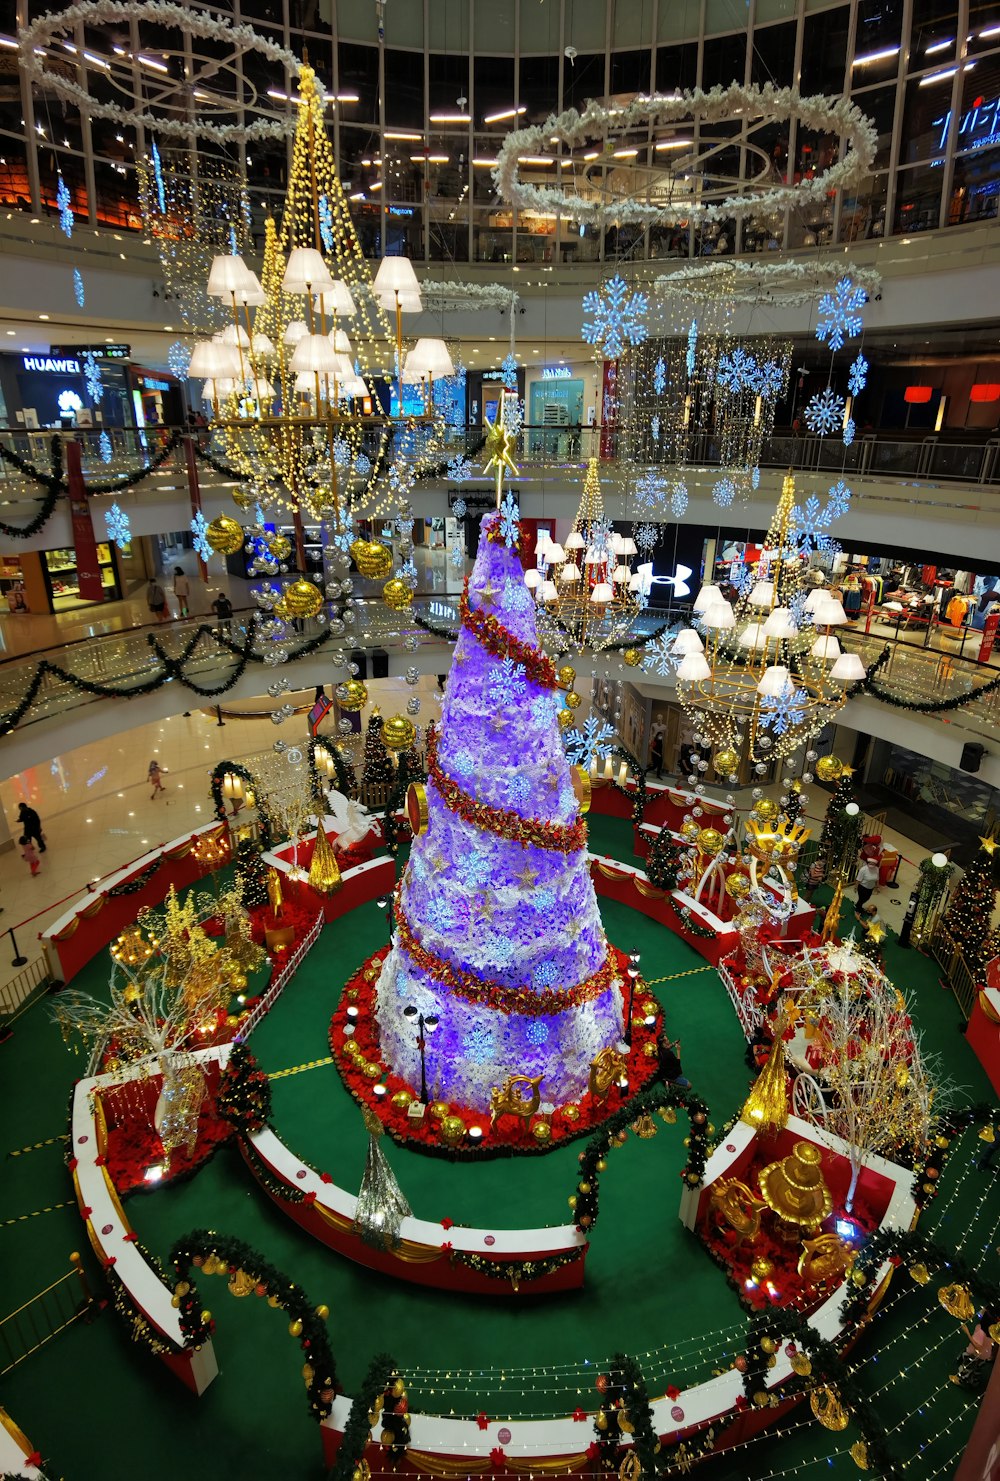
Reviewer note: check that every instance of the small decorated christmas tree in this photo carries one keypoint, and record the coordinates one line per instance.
(377, 769)
(251, 874)
(969, 917)
(841, 836)
(663, 863)
(244, 1094)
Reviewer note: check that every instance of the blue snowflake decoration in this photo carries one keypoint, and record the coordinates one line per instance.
(646, 536)
(543, 899)
(546, 974)
(537, 1032)
(161, 193)
(544, 706)
(325, 224)
(825, 412)
(596, 738)
(849, 431)
(92, 376)
(508, 371)
(457, 557)
(678, 498)
(660, 376)
(513, 414)
(407, 571)
(857, 376)
(64, 202)
(79, 292)
(654, 427)
(755, 478)
(649, 490)
(439, 914)
(617, 317)
(515, 596)
(234, 246)
(474, 869)
(179, 358)
(104, 444)
(692, 345)
(499, 949)
(769, 380)
(362, 465)
(810, 524)
(342, 452)
(343, 538)
(479, 1044)
(657, 655)
(518, 790)
(460, 509)
(460, 468)
(783, 712)
(119, 529)
(510, 529)
(840, 314)
(505, 683)
(200, 541)
(737, 371)
(724, 493)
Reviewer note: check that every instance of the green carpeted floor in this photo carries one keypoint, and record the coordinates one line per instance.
(650, 1288)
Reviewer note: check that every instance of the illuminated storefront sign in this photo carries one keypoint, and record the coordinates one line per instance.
(48, 366)
(556, 373)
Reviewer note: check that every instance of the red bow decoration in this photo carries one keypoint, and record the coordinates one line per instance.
(447, 1223)
(673, 1392)
(482, 1421)
(580, 1415)
(497, 1458)
(447, 1247)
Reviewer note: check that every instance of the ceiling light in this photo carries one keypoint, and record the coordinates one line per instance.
(534, 159)
(942, 76)
(450, 118)
(876, 56)
(152, 62)
(673, 144)
(505, 113)
(626, 153)
(938, 46)
(403, 134)
(484, 164)
(987, 35)
(593, 154)
(346, 98)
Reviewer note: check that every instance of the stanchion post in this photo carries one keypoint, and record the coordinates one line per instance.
(17, 960)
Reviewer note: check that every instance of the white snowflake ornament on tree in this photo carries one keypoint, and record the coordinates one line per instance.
(506, 683)
(596, 739)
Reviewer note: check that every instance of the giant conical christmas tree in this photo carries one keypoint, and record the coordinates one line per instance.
(497, 928)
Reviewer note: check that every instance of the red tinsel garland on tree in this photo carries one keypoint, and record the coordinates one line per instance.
(523, 1000)
(495, 638)
(565, 838)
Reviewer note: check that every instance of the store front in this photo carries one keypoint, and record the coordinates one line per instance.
(40, 391)
(157, 398)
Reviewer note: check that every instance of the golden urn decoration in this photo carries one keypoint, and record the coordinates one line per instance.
(793, 1188)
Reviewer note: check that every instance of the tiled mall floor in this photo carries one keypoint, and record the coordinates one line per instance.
(98, 813)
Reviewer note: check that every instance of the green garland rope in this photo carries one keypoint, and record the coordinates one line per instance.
(54, 482)
(358, 1430)
(191, 1251)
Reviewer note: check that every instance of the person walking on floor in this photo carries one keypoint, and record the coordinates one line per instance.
(31, 825)
(30, 854)
(155, 778)
(156, 600)
(182, 591)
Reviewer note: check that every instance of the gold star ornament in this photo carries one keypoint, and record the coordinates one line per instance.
(989, 845)
(876, 931)
(499, 444)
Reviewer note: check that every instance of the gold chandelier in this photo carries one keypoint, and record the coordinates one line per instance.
(587, 586)
(293, 388)
(769, 672)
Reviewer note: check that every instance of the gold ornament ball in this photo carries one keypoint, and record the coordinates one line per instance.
(632, 657)
(737, 886)
(373, 1072)
(357, 549)
(452, 1130)
(295, 1328)
(273, 1302)
(280, 608)
(829, 768)
(280, 547)
(206, 1317)
(322, 1312)
(760, 1269)
(352, 695)
(303, 599)
(571, 1113)
(396, 594)
(398, 733)
(378, 561)
(402, 1099)
(224, 535)
(766, 809)
(244, 499)
(438, 1109)
(565, 718)
(726, 762)
(542, 1132)
(566, 676)
(768, 1344)
(801, 1364)
(710, 841)
(573, 700)
(690, 831)
(571, 1200)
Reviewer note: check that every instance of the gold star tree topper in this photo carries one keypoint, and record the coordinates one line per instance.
(499, 444)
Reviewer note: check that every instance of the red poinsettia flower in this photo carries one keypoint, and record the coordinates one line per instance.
(482, 1421)
(34, 1460)
(447, 1223)
(497, 1458)
(673, 1392)
(580, 1415)
(447, 1247)
(593, 1450)
(326, 1177)
(72, 1164)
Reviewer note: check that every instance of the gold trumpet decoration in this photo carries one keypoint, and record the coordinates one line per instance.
(824, 1258)
(738, 1206)
(828, 1409)
(606, 1069)
(507, 1099)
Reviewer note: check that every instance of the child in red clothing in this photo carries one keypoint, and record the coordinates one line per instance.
(30, 854)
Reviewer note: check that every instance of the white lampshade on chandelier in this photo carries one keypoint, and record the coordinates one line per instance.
(584, 586)
(396, 285)
(306, 273)
(762, 687)
(336, 301)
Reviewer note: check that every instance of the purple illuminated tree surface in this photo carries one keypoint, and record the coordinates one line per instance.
(497, 928)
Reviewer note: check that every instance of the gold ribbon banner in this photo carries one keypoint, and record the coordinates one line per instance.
(87, 912)
(441, 1465)
(602, 868)
(557, 1466)
(15, 1432)
(67, 931)
(649, 890)
(180, 852)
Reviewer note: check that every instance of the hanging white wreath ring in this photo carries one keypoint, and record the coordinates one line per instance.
(752, 107)
(34, 41)
(744, 280)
